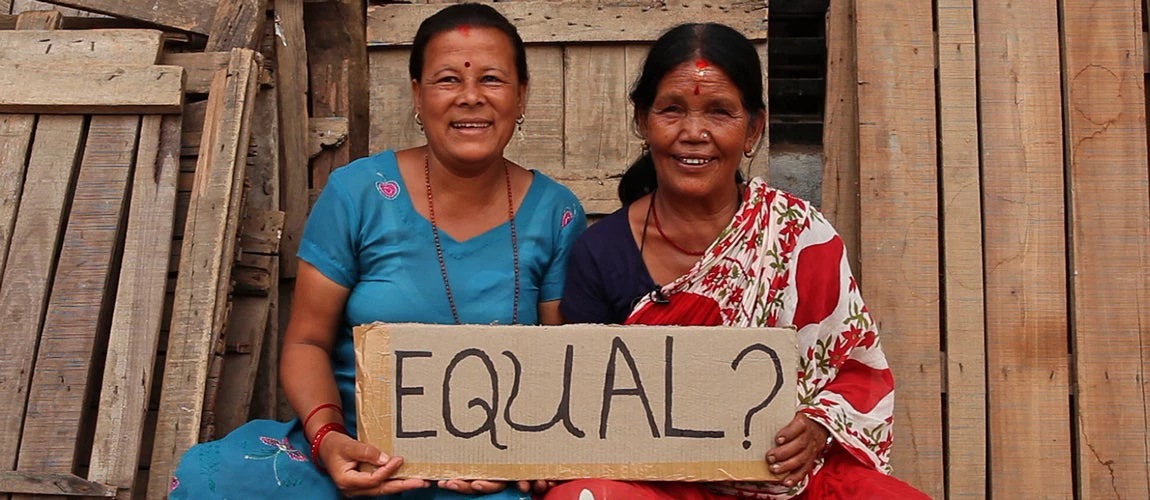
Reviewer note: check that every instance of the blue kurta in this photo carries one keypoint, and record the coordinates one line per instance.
(365, 234)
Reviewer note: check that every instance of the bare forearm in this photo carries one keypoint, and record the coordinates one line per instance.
(308, 381)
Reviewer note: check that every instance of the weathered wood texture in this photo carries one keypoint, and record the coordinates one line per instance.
(35, 483)
(899, 224)
(237, 24)
(30, 264)
(260, 232)
(1105, 102)
(94, 89)
(199, 68)
(18, 6)
(292, 85)
(135, 330)
(58, 399)
(1024, 250)
(337, 68)
(572, 22)
(187, 15)
(961, 226)
(840, 201)
(205, 265)
(75, 47)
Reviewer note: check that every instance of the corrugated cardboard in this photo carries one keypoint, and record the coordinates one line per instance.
(489, 401)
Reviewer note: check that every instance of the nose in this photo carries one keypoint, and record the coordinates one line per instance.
(470, 94)
(695, 129)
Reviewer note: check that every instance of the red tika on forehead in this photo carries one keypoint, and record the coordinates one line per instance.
(696, 90)
(464, 30)
(466, 64)
(702, 64)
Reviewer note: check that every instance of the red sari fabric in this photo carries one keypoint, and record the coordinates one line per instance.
(780, 263)
(841, 477)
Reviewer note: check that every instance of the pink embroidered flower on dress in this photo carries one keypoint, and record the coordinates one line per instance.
(284, 447)
(174, 484)
(568, 216)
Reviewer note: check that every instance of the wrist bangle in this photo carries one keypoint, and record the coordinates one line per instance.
(318, 439)
(827, 445)
(317, 409)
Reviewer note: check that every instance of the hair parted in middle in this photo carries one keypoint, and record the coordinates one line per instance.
(475, 15)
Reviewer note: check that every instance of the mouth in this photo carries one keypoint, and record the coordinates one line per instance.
(471, 125)
(694, 161)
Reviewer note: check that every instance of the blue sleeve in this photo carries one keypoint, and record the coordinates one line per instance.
(570, 227)
(330, 236)
(584, 298)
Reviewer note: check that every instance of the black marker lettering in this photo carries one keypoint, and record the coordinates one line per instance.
(668, 426)
(489, 408)
(401, 391)
(562, 413)
(609, 390)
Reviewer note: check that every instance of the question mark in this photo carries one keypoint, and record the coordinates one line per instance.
(770, 397)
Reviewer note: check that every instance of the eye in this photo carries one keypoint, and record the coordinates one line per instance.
(669, 109)
(490, 79)
(723, 111)
(448, 79)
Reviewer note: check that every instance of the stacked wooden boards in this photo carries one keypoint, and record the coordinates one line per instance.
(996, 184)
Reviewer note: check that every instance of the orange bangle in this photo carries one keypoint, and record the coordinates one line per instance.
(317, 409)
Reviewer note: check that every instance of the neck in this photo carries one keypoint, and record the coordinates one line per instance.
(698, 216)
(467, 183)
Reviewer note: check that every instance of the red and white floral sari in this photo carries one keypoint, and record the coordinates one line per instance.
(780, 263)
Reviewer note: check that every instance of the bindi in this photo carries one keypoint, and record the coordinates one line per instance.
(466, 64)
(701, 66)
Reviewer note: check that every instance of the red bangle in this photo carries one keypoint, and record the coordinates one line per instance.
(317, 409)
(318, 439)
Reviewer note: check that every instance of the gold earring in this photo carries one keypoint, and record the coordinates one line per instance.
(519, 121)
(749, 154)
(419, 121)
(644, 148)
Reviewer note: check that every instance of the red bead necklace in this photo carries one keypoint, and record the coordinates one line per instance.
(439, 246)
(655, 216)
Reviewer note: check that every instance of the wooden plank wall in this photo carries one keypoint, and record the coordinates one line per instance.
(1103, 77)
(578, 127)
(1040, 229)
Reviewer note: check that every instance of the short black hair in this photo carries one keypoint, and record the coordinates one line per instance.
(719, 45)
(465, 14)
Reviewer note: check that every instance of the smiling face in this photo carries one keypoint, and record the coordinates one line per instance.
(697, 129)
(469, 95)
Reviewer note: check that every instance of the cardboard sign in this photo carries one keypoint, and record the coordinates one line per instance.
(536, 402)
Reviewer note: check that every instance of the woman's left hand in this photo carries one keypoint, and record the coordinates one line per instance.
(798, 446)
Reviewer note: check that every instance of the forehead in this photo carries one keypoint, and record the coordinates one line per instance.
(471, 42)
(697, 72)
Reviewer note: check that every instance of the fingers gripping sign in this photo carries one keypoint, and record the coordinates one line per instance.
(798, 446)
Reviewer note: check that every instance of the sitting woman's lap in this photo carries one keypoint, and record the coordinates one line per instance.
(841, 477)
(269, 459)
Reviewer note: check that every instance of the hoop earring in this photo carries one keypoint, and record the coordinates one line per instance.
(748, 154)
(519, 121)
(419, 121)
(644, 148)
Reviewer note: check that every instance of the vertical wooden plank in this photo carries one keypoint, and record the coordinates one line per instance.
(291, 59)
(246, 331)
(393, 115)
(1105, 104)
(238, 24)
(205, 266)
(31, 259)
(962, 250)
(540, 144)
(15, 138)
(598, 124)
(135, 333)
(1024, 250)
(840, 129)
(899, 225)
(5, 6)
(57, 398)
(760, 165)
(337, 67)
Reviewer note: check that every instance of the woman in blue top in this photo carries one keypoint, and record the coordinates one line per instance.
(450, 232)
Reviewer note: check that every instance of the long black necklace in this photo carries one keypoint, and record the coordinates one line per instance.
(439, 246)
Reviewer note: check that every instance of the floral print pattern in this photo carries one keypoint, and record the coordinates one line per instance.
(780, 263)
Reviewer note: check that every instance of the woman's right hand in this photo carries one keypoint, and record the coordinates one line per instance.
(342, 456)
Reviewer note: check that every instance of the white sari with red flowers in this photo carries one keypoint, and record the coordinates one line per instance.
(780, 263)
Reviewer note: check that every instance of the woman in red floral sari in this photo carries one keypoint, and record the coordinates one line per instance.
(696, 245)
